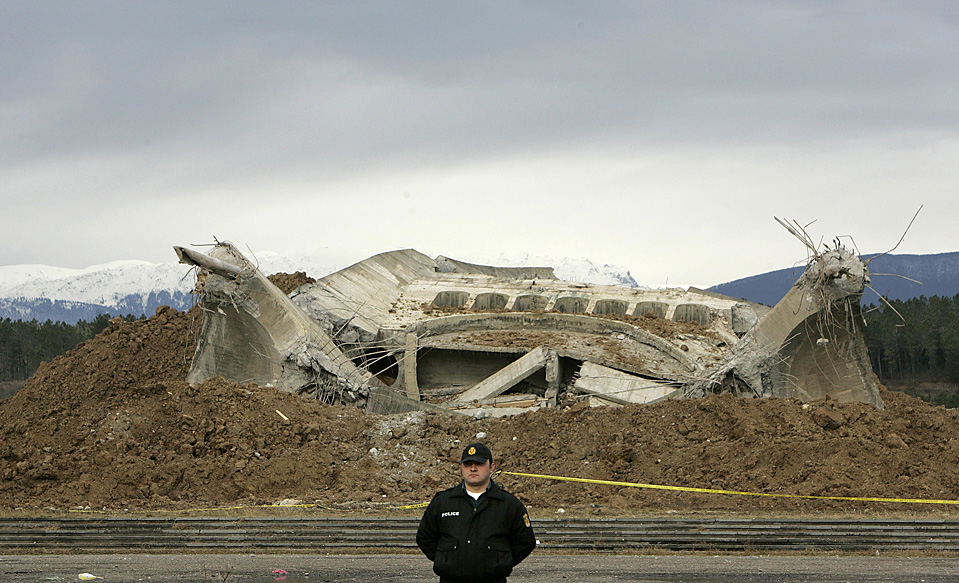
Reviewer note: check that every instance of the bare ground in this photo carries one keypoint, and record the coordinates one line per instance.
(538, 568)
(111, 425)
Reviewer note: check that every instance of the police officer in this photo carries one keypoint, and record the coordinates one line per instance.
(475, 532)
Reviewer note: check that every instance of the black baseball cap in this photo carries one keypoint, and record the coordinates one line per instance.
(476, 452)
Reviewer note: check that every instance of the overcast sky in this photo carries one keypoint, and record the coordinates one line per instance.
(660, 136)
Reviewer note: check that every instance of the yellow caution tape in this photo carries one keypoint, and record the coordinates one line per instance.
(592, 481)
(733, 492)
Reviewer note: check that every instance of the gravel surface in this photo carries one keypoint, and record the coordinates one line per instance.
(540, 568)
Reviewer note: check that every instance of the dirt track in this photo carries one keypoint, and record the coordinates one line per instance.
(111, 425)
(536, 569)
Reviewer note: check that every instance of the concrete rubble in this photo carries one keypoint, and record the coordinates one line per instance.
(810, 345)
(401, 331)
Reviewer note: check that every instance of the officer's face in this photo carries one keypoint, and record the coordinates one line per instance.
(476, 475)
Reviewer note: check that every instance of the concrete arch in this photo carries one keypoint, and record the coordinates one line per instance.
(611, 307)
(451, 299)
(697, 313)
(658, 309)
(490, 301)
(530, 303)
(571, 305)
(550, 321)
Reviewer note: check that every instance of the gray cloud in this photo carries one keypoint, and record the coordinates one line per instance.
(115, 109)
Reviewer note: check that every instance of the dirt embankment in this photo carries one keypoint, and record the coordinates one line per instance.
(112, 425)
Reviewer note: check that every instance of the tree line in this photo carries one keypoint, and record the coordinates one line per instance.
(915, 341)
(25, 344)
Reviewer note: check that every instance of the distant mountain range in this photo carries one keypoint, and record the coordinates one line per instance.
(43, 292)
(939, 274)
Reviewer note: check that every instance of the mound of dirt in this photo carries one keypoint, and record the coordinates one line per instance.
(112, 425)
(287, 282)
(649, 322)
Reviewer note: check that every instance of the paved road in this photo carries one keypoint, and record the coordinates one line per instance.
(539, 568)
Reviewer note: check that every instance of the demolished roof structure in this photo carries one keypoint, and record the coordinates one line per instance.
(401, 331)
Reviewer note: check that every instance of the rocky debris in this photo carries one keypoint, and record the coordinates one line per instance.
(368, 335)
(251, 331)
(811, 345)
(112, 425)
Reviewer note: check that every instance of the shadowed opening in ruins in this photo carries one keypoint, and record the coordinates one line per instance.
(442, 368)
(611, 307)
(657, 309)
(381, 363)
(530, 303)
(696, 313)
(448, 372)
(451, 299)
(490, 301)
(571, 305)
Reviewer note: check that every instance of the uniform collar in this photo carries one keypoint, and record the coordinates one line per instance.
(492, 489)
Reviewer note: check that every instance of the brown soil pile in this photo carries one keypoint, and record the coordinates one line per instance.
(661, 326)
(112, 425)
(287, 282)
(649, 322)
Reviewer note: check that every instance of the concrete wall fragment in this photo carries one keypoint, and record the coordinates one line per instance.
(621, 387)
(810, 345)
(252, 332)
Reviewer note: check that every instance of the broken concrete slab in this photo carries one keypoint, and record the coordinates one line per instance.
(405, 330)
(253, 332)
(810, 345)
(506, 377)
(621, 387)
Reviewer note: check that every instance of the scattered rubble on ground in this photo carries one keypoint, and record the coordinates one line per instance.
(112, 425)
(274, 391)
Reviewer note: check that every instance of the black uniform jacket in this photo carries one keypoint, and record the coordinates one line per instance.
(480, 545)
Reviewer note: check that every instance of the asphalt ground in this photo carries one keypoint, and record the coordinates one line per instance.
(539, 568)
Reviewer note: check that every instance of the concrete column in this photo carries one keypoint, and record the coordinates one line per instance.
(409, 368)
(552, 378)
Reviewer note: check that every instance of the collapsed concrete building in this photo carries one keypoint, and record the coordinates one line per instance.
(401, 331)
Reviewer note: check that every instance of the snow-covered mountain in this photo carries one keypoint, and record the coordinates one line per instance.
(43, 292)
(567, 268)
(106, 284)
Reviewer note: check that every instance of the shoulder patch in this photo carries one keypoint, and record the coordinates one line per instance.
(526, 520)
